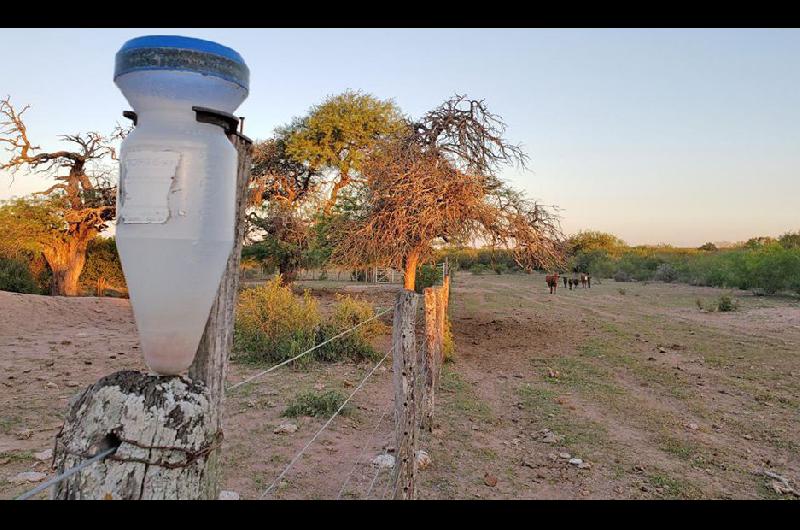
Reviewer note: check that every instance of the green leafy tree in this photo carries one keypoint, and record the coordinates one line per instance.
(790, 240)
(708, 247)
(336, 136)
(588, 240)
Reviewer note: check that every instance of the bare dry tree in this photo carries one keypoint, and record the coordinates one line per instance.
(84, 197)
(414, 197)
(278, 177)
(468, 135)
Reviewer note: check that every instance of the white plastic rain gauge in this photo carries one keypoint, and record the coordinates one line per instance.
(177, 190)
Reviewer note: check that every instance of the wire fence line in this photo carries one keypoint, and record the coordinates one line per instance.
(68, 473)
(373, 436)
(108, 452)
(325, 426)
(298, 356)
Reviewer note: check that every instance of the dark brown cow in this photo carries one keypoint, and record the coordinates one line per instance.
(565, 282)
(552, 282)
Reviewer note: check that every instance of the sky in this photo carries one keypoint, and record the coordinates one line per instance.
(656, 135)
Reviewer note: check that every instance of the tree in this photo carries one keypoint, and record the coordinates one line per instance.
(438, 181)
(337, 134)
(276, 176)
(790, 240)
(758, 242)
(76, 208)
(588, 240)
(708, 247)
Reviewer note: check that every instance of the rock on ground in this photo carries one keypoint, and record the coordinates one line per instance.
(383, 461)
(28, 476)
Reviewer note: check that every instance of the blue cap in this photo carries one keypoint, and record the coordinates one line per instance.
(174, 52)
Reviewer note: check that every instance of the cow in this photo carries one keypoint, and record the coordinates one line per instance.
(584, 279)
(552, 282)
(573, 282)
(565, 282)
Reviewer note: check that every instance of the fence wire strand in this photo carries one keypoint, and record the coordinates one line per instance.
(373, 436)
(325, 426)
(68, 473)
(298, 356)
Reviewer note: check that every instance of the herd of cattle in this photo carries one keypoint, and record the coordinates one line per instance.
(582, 278)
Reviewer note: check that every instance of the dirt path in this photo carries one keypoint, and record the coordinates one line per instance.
(661, 400)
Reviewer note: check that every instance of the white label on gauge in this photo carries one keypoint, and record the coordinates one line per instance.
(145, 185)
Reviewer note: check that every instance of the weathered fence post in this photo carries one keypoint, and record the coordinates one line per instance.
(404, 358)
(210, 364)
(430, 359)
(167, 429)
(440, 317)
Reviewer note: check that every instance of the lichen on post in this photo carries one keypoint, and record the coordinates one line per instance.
(165, 430)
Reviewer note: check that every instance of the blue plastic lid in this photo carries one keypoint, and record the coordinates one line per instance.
(184, 43)
(173, 52)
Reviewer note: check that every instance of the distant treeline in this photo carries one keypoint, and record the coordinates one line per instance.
(762, 264)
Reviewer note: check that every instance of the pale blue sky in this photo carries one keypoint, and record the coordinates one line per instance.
(677, 136)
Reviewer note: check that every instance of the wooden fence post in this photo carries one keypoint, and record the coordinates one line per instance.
(431, 359)
(404, 359)
(167, 429)
(210, 364)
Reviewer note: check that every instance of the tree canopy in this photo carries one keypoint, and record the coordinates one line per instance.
(437, 180)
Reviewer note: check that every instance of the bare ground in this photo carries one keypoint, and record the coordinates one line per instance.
(663, 400)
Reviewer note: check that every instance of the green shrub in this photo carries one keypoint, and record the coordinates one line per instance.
(479, 268)
(16, 276)
(347, 313)
(272, 324)
(448, 343)
(726, 304)
(427, 276)
(310, 403)
(103, 265)
(665, 273)
(621, 276)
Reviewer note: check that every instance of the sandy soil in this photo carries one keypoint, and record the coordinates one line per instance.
(662, 400)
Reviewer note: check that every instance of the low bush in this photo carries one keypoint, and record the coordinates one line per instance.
(347, 313)
(272, 324)
(310, 403)
(427, 276)
(103, 268)
(448, 343)
(621, 276)
(16, 276)
(726, 304)
(665, 273)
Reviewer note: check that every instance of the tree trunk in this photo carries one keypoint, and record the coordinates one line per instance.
(66, 260)
(410, 278)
